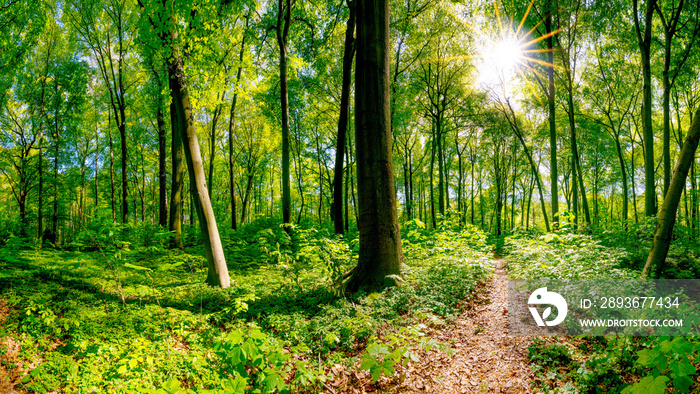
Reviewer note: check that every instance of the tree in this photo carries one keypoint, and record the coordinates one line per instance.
(348, 54)
(106, 30)
(667, 215)
(644, 39)
(670, 23)
(163, 23)
(381, 257)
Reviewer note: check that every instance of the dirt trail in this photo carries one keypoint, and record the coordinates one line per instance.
(486, 360)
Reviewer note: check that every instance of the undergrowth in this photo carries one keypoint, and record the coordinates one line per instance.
(119, 312)
(606, 364)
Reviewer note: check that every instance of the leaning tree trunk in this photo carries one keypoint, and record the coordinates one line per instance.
(667, 214)
(217, 269)
(381, 257)
(343, 123)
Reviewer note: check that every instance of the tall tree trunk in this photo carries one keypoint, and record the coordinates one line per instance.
(175, 223)
(40, 217)
(111, 169)
(217, 269)
(122, 135)
(644, 41)
(162, 170)
(348, 53)
(552, 115)
(432, 170)
(578, 172)
(347, 200)
(231, 128)
(212, 145)
(441, 167)
(283, 22)
(625, 190)
(54, 216)
(667, 215)
(380, 256)
(473, 158)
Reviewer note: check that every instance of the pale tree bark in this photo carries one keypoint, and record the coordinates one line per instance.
(217, 269)
(667, 214)
(381, 257)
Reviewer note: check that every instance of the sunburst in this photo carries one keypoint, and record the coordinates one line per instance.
(511, 50)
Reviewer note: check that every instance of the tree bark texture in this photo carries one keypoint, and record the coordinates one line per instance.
(381, 256)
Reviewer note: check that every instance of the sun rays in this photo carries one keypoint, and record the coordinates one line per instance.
(510, 51)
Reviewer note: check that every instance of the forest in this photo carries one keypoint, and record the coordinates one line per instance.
(304, 196)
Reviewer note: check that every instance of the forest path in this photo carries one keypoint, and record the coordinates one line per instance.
(486, 360)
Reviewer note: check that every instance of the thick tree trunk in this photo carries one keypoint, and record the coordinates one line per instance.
(162, 170)
(381, 256)
(667, 215)
(348, 53)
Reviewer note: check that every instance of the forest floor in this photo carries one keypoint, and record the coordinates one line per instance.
(486, 358)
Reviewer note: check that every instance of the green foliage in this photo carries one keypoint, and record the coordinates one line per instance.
(564, 255)
(266, 333)
(397, 347)
(666, 361)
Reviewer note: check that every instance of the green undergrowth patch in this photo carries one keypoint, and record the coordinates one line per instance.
(114, 315)
(564, 255)
(600, 364)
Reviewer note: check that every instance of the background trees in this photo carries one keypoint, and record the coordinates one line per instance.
(592, 108)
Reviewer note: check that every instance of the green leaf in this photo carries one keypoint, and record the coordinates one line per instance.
(368, 361)
(683, 368)
(137, 267)
(273, 381)
(682, 383)
(236, 386)
(376, 348)
(648, 385)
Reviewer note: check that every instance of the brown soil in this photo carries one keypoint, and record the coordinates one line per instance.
(486, 358)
